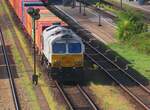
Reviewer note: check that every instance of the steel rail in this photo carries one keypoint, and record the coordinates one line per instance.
(87, 97)
(121, 85)
(86, 39)
(65, 97)
(146, 89)
(11, 80)
(94, 107)
(86, 42)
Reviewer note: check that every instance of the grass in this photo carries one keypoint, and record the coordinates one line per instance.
(110, 98)
(140, 61)
(141, 42)
(136, 50)
(104, 90)
(23, 80)
(45, 89)
(107, 8)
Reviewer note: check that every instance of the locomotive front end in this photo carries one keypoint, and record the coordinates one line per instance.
(68, 53)
(62, 48)
(68, 61)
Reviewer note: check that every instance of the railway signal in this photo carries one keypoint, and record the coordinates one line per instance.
(34, 13)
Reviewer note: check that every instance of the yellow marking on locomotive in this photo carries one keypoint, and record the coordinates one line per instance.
(67, 60)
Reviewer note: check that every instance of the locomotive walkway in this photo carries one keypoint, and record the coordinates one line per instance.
(104, 33)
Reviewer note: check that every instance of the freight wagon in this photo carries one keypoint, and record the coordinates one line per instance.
(46, 19)
(18, 5)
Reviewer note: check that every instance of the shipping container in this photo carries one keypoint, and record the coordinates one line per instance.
(47, 18)
(18, 6)
(12, 3)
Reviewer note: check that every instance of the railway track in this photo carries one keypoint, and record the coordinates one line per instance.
(128, 83)
(99, 10)
(116, 6)
(75, 97)
(10, 76)
(108, 63)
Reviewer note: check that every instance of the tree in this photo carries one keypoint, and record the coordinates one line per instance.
(129, 24)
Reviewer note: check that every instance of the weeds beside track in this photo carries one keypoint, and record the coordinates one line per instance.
(75, 97)
(11, 78)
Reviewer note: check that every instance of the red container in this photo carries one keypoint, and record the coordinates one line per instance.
(46, 1)
(47, 18)
(18, 5)
(12, 2)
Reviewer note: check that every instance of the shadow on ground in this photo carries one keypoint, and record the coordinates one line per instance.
(92, 74)
(11, 61)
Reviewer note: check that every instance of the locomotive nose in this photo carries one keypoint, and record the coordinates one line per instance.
(67, 61)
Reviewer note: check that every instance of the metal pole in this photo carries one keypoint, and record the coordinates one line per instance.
(23, 11)
(73, 3)
(99, 17)
(33, 28)
(121, 3)
(80, 7)
(84, 14)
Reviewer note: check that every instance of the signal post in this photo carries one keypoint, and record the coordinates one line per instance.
(34, 13)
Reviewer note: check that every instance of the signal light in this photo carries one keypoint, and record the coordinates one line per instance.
(30, 10)
(34, 13)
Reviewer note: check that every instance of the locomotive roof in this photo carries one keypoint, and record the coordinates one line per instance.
(59, 32)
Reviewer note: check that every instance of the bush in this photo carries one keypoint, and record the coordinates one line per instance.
(141, 42)
(129, 24)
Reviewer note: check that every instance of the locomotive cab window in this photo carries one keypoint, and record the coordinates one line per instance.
(74, 48)
(59, 48)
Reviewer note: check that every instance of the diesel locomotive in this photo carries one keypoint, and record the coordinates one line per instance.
(62, 49)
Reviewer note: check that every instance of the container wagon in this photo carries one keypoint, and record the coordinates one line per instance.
(47, 18)
(18, 5)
